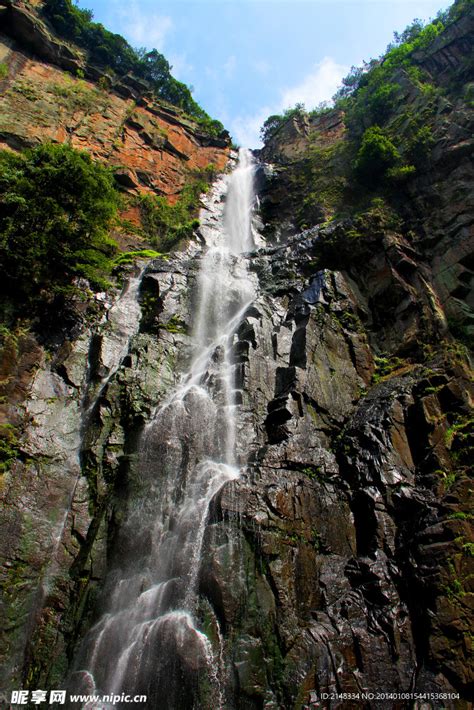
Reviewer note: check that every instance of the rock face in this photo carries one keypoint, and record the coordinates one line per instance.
(352, 523)
(341, 561)
(152, 146)
(292, 139)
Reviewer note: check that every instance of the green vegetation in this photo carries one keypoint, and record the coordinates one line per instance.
(386, 144)
(458, 582)
(56, 207)
(460, 515)
(113, 53)
(461, 332)
(449, 480)
(314, 473)
(400, 173)
(167, 224)
(174, 325)
(372, 83)
(3, 70)
(26, 89)
(77, 94)
(385, 366)
(9, 446)
(10, 338)
(376, 155)
(459, 439)
(322, 182)
(273, 123)
(369, 93)
(130, 257)
(345, 245)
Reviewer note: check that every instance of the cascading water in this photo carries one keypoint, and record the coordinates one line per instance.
(149, 641)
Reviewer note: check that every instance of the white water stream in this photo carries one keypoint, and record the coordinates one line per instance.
(149, 640)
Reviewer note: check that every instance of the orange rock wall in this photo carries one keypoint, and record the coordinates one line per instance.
(154, 147)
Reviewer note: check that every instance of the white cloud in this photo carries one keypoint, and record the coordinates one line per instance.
(143, 29)
(319, 85)
(246, 129)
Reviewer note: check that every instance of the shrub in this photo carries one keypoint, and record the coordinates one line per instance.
(167, 224)
(77, 95)
(350, 83)
(370, 86)
(322, 182)
(9, 446)
(399, 56)
(381, 102)
(322, 109)
(400, 173)
(55, 209)
(376, 155)
(3, 70)
(469, 94)
(420, 144)
(129, 257)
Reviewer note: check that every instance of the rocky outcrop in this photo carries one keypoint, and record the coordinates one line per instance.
(24, 25)
(433, 208)
(294, 136)
(153, 147)
(351, 521)
(449, 49)
(79, 424)
(341, 560)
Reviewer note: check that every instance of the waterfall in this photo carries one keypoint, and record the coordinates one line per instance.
(150, 641)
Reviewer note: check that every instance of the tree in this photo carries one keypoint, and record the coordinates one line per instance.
(409, 33)
(376, 155)
(350, 83)
(56, 206)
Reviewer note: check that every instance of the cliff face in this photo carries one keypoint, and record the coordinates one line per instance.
(371, 399)
(152, 146)
(434, 205)
(341, 560)
(52, 515)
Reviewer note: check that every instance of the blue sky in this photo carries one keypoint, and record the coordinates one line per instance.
(247, 59)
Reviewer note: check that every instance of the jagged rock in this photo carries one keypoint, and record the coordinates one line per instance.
(30, 32)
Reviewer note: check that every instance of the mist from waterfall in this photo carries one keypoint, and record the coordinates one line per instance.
(150, 640)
